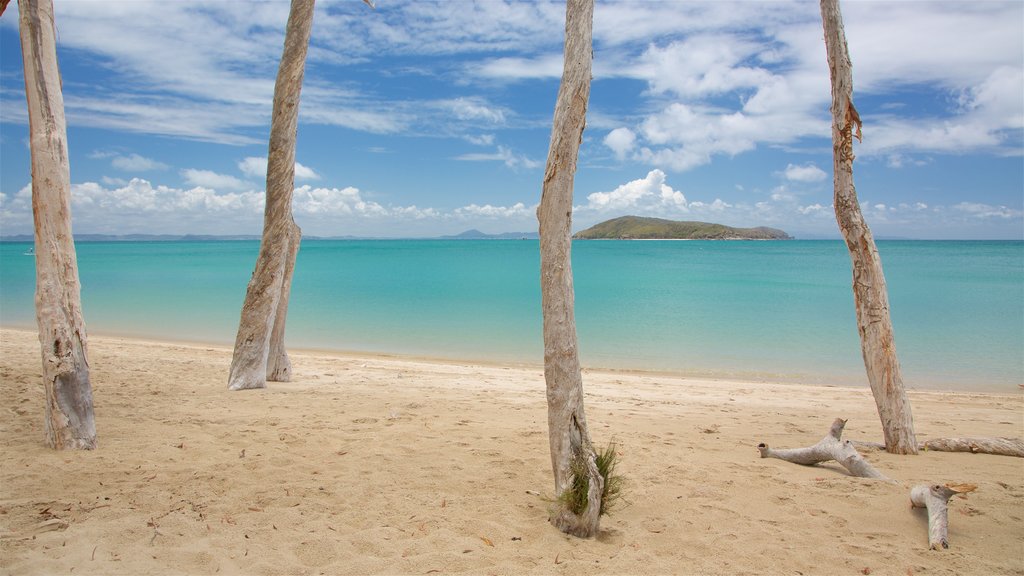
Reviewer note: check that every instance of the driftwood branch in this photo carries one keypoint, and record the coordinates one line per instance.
(831, 447)
(934, 497)
(997, 446)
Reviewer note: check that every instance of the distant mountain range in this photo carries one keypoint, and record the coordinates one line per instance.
(478, 235)
(639, 228)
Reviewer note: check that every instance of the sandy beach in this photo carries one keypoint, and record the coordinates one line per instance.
(378, 465)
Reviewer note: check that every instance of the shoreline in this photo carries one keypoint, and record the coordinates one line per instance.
(373, 465)
(752, 378)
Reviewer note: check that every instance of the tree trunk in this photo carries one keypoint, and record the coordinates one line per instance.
(70, 421)
(279, 366)
(249, 365)
(869, 292)
(567, 424)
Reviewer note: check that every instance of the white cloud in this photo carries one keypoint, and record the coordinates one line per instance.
(648, 194)
(806, 173)
(211, 179)
(256, 167)
(335, 201)
(517, 210)
(481, 140)
(812, 209)
(518, 68)
(504, 155)
(474, 109)
(986, 211)
(702, 65)
(136, 163)
(621, 141)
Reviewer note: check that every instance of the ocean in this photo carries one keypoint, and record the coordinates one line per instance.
(775, 311)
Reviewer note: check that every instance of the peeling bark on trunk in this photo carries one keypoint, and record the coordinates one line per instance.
(279, 366)
(869, 291)
(249, 365)
(69, 418)
(831, 447)
(935, 498)
(567, 424)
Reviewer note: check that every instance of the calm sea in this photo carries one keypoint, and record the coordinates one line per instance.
(761, 310)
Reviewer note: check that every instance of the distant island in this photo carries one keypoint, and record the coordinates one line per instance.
(639, 228)
(478, 235)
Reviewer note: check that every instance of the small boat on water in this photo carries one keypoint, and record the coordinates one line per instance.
(30, 252)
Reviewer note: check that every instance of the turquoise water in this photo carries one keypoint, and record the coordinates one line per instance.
(771, 310)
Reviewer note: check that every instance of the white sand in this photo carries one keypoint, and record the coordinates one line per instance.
(369, 465)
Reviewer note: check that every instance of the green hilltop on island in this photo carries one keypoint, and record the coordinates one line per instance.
(639, 228)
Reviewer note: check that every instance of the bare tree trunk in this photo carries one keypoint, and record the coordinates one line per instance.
(70, 421)
(870, 295)
(279, 366)
(567, 424)
(263, 297)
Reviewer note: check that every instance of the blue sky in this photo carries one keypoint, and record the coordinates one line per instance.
(423, 118)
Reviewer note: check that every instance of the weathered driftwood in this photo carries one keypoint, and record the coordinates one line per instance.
(997, 446)
(831, 447)
(567, 425)
(263, 295)
(870, 295)
(935, 497)
(69, 418)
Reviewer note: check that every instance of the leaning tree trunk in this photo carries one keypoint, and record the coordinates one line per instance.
(70, 421)
(263, 297)
(279, 366)
(571, 449)
(869, 292)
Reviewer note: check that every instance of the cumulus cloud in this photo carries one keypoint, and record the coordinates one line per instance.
(806, 173)
(621, 141)
(256, 167)
(650, 193)
(211, 179)
(517, 210)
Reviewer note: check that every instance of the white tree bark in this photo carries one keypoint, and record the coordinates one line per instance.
(249, 364)
(567, 424)
(831, 447)
(69, 419)
(279, 366)
(935, 498)
(997, 445)
(869, 291)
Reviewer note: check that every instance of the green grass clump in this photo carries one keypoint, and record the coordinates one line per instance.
(575, 497)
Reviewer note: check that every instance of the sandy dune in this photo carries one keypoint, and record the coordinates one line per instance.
(371, 465)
